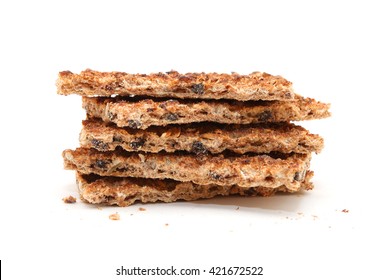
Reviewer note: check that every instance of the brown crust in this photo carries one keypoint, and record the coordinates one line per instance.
(126, 191)
(244, 171)
(142, 113)
(201, 138)
(255, 86)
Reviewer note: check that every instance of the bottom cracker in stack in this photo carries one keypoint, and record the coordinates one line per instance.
(126, 191)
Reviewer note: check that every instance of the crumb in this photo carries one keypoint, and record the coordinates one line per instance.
(142, 209)
(166, 224)
(131, 214)
(99, 208)
(238, 208)
(114, 217)
(345, 210)
(314, 217)
(300, 213)
(69, 199)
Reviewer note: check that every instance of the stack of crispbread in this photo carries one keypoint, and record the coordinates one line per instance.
(170, 136)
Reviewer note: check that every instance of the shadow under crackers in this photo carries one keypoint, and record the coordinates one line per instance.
(278, 202)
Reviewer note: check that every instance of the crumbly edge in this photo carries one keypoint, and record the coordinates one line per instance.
(255, 86)
(127, 191)
(245, 171)
(201, 139)
(143, 113)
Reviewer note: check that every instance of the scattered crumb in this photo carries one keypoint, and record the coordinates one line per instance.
(166, 224)
(131, 214)
(238, 208)
(99, 208)
(300, 213)
(114, 217)
(345, 210)
(315, 217)
(142, 209)
(69, 199)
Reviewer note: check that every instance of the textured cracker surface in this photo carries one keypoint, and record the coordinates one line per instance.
(126, 191)
(171, 136)
(142, 113)
(255, 86)
(245, 171)
(201, 138)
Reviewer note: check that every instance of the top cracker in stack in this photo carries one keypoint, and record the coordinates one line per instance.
(168, 136)
(256, 86)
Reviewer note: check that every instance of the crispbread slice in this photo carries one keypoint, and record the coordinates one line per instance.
(142, 113)
(201, 138)
(255, 86)
(245, 171)
(126, 191)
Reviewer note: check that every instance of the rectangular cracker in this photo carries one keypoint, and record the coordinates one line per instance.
(142, 113)
(255, 86)
(126, 191)
(202, 138)
(245, 171)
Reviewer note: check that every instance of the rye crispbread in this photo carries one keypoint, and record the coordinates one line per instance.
(142, 113)
(201, 138)
(126, 191)
(255, 86)
(171, 136)
(246, 171)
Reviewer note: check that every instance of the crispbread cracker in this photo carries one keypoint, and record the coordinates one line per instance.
(245, 171)
(201, 138)
(255, 86)
(126, 191)
(142, 113)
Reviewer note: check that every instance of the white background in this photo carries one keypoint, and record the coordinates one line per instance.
(326, 48)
